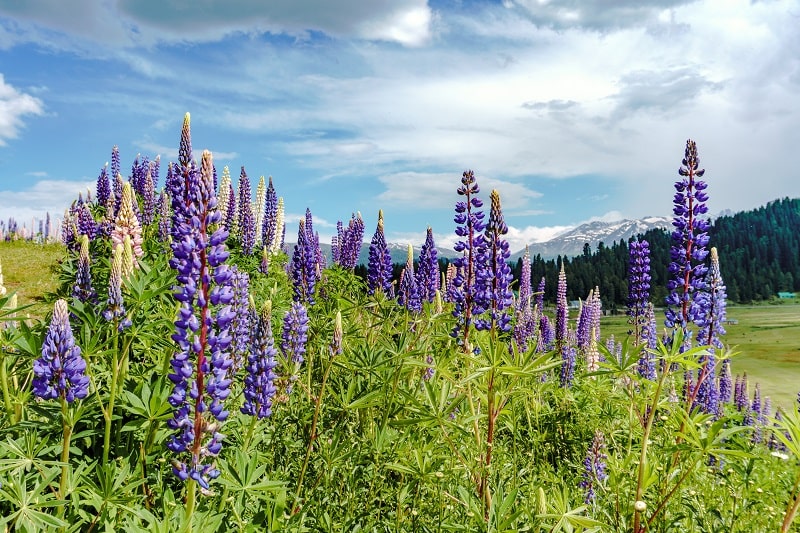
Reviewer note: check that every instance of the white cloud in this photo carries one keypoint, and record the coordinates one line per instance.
(14, 106)
(44, 196)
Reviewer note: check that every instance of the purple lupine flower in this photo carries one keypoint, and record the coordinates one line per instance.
(428, 272)
(231, 221)
(115, 307)
(83, 290)
(568, 355)
(547, 335)
(493, 274)
(116, 166)
(583, 332)
(85, 221)
(470, 227)
(61, 370)
(155, 168)
(118, 186)
(753, 417)
(408, 295)
(294, 337)
(148, 197)
(240, 324)
(741, 397)
(335, 257)
(201, 364)
(562, 311)
(714, 304)
(259, 383)
(247, 228)
(725, 382)
(647, 365)
(707, 398)
(313, 239)
(689, 239)
(379, 268)
(303, 267)
(594, 467)
(293, 342)
(164, 225)
(350, 242)
(540, 295)
(638, 287)
(524, 324)
(270, 223)
(103, 186)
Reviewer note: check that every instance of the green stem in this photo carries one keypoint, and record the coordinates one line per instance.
(190, 503)
(4, 384)
(108, 413)
(67, 427)
(311, 438)
(643, 456)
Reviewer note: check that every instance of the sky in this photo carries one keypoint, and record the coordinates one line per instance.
(573, 110)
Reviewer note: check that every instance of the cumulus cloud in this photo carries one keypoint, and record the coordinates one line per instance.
(42, 197)
(14, 106)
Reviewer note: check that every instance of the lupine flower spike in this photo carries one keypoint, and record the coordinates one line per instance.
(83, 290)
(259, 383)
(293, 341)
(61, 370)
(200, 366)
(493, 275)
(688, 252)
(408, 293)
(428, 272)
(379, 268)
(594, 468)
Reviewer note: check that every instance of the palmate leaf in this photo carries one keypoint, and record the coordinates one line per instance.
(26, 504)
(25, 453)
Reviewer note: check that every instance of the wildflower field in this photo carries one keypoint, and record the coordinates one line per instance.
(196, 374)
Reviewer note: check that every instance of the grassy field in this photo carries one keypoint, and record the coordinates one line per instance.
(766, 338)
(29, 269)
(766, 341)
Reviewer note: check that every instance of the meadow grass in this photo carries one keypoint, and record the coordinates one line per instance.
(30, 270)
(765, 342)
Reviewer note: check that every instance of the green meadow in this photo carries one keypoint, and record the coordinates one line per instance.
(765, 341)
(29, 269)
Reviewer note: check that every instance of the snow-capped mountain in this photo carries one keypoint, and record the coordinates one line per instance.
(570, 243)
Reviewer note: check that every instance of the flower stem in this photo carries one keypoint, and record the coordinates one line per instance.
(108, 413)
(4, 384)
(311, 438)
(67, 427)
(191, 487)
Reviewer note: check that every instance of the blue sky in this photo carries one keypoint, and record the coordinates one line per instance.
(573, 110)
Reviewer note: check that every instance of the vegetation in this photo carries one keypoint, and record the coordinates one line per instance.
(759, 250)
(189, 379)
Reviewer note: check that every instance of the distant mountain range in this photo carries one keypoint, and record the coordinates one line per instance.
(571, 243)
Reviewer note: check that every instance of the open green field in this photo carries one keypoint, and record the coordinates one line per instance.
(766, 341)
(29, 269)
(766, 338)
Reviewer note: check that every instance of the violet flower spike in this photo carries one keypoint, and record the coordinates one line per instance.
(61, 369)
(379, 268)
(303, 267)
(594, 468)
(201, 365)
(688, 252)
(408, 293)
(247, 227)
(103, 186)
(428, 272)
(493, 274)
(259, 382)
(83, 290)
